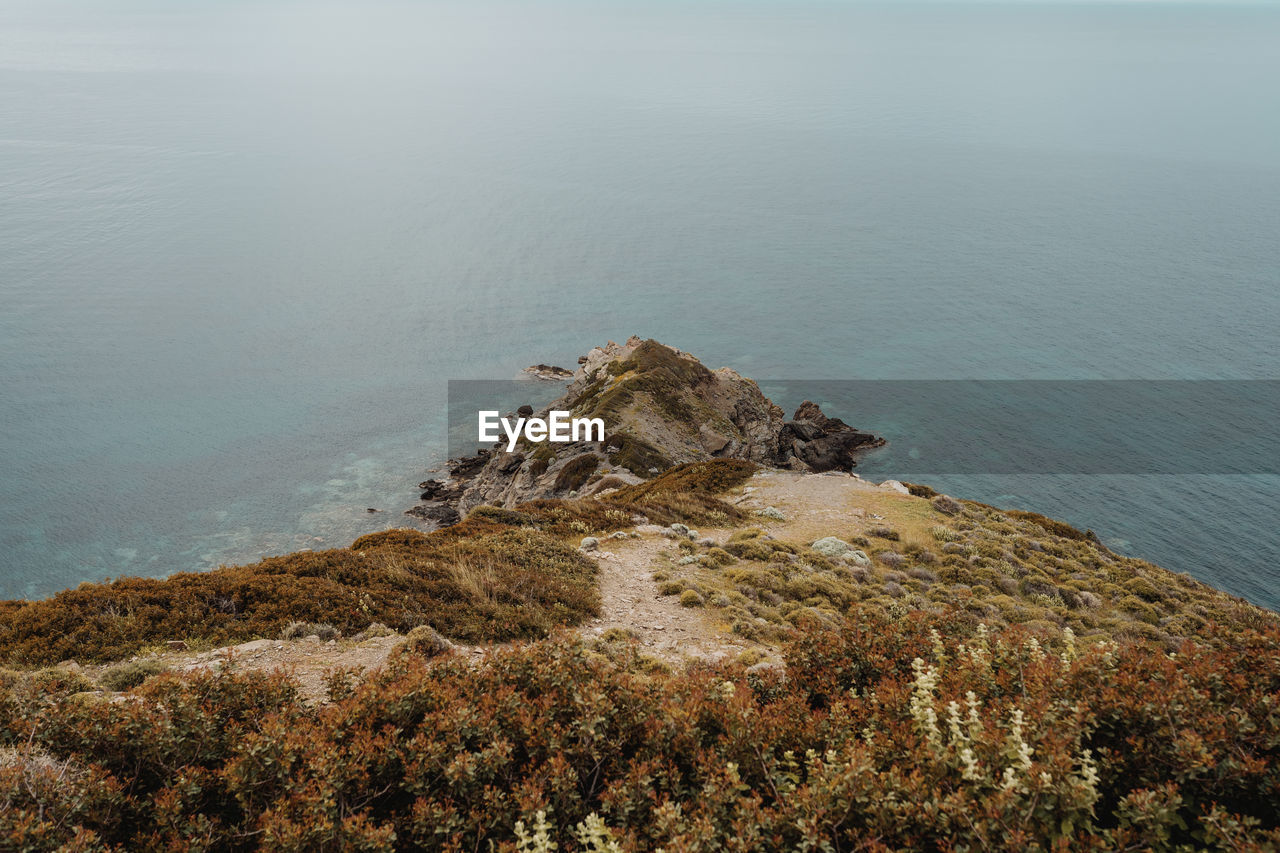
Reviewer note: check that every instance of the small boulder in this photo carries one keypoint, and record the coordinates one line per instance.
(857, 558)
(895, 486)
(589, 543)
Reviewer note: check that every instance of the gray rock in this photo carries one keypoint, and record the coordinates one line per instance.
(680, 529)
(589, 543)
(857, 558)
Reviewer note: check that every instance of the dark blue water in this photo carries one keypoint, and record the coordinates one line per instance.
(244, 245)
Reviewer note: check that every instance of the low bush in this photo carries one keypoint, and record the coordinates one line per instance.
(424, 641)
(886, 733)
(921, 491)
(691, 598)
(129, 674)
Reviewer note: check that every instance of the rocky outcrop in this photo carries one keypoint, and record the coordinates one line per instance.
(548, 372)
(661, 407)
(822, 443)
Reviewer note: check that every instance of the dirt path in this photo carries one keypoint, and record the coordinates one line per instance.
(630, 601)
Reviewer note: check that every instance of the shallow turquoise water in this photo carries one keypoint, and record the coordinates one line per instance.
(243, 246)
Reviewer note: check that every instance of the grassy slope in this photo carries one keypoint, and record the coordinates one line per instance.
(1000, 568)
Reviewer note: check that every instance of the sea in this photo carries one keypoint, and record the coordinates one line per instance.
(244, 246)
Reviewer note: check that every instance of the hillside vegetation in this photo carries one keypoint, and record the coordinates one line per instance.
(501, 575)
(907, 553)
(953, 677)
(922, 733)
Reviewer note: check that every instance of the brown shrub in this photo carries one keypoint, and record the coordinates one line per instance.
(492, 583)
(575, 472)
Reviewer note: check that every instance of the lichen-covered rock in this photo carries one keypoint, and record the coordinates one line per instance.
(857, 558)
(830, 546)
(589, 543)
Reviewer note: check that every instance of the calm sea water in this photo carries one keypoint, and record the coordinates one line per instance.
(244, 245)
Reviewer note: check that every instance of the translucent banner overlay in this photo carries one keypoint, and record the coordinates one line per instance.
(1000, 426)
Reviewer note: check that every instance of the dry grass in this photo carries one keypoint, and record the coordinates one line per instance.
(990, 566)
(477, 578)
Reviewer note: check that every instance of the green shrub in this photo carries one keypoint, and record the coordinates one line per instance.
(1143, 588)
(129, 674)
(718, 557)
(61, 680)
(690, 598)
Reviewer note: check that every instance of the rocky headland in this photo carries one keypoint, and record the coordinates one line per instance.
(661, 407)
